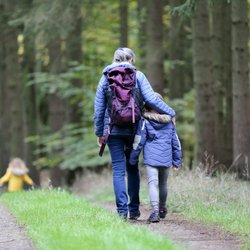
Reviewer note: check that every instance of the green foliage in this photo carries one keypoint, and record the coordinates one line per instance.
(185, 118)
(70, 148)
(58, 220)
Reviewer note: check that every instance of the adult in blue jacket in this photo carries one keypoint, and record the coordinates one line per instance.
(157, 136)
(122, 138)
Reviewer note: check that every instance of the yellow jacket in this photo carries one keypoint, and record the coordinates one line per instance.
(15, 181)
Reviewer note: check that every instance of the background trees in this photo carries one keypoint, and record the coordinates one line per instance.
(53, 53)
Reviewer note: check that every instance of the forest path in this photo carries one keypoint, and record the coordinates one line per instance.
(12, 236)
(192, 235)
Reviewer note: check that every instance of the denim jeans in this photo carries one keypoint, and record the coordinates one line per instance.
(120, 147)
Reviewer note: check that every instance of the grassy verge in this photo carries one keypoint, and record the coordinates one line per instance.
(57, 220)
(223, 201)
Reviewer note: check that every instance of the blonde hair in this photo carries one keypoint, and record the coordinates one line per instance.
(17, 163)
(124, 55)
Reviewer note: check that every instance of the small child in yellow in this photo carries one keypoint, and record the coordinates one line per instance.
(16, 175)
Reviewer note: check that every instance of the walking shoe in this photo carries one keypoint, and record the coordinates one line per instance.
(154, 217)
(163, 212)
(123, 216)
(134, 215)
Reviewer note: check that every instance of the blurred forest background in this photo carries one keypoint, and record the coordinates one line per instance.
(194, 52)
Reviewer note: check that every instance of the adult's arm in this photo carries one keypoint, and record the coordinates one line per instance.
(99, 108)
(150, 98)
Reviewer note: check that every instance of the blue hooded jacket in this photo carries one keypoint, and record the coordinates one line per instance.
(157, 136)
(101, 116)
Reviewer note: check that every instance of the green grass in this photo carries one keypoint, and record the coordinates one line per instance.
(222, 201)
(57, 220)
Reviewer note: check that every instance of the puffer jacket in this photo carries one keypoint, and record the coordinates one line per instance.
(157, 136)
(101, 116)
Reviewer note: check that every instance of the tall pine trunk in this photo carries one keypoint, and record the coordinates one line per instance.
(57, 107)
(219, 48)
(75, 54)
(124, 23)
(155, 55)
(203, 82)
(227, 81)
(142, 14)
(240, 60)
(13, 85)
(176, 53)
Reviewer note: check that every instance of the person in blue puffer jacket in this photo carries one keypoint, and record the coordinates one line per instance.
(156, 135)
(120, 139)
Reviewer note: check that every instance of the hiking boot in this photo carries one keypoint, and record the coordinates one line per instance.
(163, 212)
(154, 217)
(123, 217)
(134, 215)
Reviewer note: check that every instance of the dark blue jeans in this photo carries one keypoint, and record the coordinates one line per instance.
(120, 147)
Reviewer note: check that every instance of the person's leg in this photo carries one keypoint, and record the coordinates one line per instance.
(116, 148)
(153, 186)
(133, 176)
(163, 190)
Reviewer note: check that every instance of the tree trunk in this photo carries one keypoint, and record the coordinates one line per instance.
(30, 104)
(155, 53)
(141, 10)
(228, 119)
(57, 107)
(218, 44)
(124, 23)
(14, 87)
(176, 53)
(74, 54)
(240, 60)
(203, 82)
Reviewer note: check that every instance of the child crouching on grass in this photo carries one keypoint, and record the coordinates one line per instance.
(16, 175)
(157, 136)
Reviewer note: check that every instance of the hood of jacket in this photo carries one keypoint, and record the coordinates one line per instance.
(113, 65)
(18, 171)
(157, 120)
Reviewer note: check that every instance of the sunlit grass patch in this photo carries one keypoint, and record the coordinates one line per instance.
(57, 220)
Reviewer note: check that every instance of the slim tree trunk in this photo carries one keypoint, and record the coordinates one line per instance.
(14, 88)
(30, 104)
(227, 81)
(176, 53)
(142, 14)
(240, 60)
(203, 81)
(154, 56)
(57, 107)
(218, 43)
(75, 54)
(124, 23)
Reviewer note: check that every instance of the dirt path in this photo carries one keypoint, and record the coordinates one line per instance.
(194, 236)
(12, 236)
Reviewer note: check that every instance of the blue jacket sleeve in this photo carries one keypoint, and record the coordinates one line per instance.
(139, 142)
(100, 107)
(150, 98)
(176, 150)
